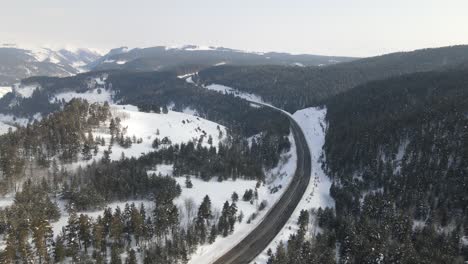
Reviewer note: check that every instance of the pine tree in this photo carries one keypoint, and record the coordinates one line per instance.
(115, 255)
(188, 182)
(303, 221)
(71, 231)
(164, 109)
(234, 197)
(232, 216)
(204, 210)
(131, 257)
(59, 249)
(223, 222)
(117, 226)
(84, 232)
(41, 239)
(9, 253)
(98, 234)
(213, 234)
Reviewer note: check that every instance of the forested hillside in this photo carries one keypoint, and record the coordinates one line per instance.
(33, 162)
(148, 91)
(294, 88)
(397, 153)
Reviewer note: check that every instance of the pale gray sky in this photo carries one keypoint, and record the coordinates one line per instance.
(329, 27)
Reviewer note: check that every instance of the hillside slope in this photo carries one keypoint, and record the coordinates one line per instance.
(294, 88)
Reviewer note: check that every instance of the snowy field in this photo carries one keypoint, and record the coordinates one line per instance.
(312, 123)
(178, 127)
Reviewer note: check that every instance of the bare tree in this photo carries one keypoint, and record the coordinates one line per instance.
(189, 205)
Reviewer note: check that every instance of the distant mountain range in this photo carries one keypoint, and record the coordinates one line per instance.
(170, 58)
(17, 62)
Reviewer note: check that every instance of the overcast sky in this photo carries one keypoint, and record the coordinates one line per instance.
(328, 27)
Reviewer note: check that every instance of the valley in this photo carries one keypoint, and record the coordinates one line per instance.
(228, 159)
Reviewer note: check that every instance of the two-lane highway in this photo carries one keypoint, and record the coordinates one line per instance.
(255, 242)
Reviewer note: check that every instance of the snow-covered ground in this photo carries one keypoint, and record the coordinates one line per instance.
(220, 192)
(228, 90)
(312, 123)
(177, 127)
(183, 76)
(25, 91)
(92, 96)
(9, 121)
(4, 90)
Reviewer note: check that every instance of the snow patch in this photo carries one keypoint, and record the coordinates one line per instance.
(92, 96)
(4, 90)
(228, 90)
(183, 76)
(25, 91)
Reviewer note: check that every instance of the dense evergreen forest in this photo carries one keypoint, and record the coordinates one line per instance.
(293, 88)
(397, 151)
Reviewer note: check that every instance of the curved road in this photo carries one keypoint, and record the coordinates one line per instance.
(255, 242)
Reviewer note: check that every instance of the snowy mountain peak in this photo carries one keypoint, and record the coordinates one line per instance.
(22, 61)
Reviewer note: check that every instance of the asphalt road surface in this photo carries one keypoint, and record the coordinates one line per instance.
(259, 239)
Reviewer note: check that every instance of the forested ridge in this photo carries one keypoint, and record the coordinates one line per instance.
(396, 151)
(294, 88)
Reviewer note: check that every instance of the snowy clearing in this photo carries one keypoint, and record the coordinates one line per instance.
(92, 96)
(312, 122)
(25, 91)
(228, 90)
(177, 127)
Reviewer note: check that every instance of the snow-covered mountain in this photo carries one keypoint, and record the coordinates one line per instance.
(18, 62)
(183, 57)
